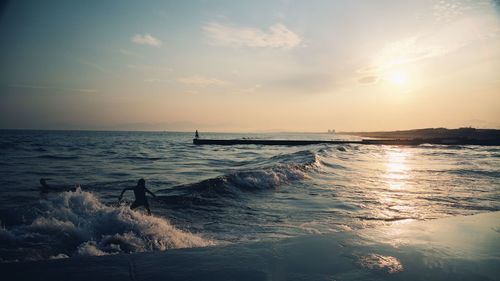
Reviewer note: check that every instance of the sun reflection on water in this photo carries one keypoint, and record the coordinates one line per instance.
(395, 191)
(397, 171)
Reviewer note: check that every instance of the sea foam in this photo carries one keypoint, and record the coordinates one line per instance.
(77, 223)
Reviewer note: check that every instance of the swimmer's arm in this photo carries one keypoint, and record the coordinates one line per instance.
(149, 191)
(123, 191)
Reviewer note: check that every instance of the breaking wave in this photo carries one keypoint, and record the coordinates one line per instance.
(281, 169)
(220, 191)
(77, 223)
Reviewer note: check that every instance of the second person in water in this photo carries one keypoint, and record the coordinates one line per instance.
(140, 195)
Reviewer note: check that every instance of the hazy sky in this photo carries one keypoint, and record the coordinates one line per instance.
(250, 65)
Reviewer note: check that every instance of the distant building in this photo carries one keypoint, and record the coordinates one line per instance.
(332, 131)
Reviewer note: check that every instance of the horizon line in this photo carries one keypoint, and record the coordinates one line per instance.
(239, 132)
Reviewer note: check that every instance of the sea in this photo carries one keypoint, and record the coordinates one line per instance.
(209, 195)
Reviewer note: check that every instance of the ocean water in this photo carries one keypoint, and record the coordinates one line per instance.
(217, 195)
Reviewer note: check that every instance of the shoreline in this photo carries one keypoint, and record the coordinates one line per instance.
(463, 247)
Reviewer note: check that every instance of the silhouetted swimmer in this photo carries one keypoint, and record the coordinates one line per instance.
(196, 135)
(46, 188)
(140, 195)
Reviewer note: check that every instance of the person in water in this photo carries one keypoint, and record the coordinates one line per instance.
(46, 188)
(140, 195)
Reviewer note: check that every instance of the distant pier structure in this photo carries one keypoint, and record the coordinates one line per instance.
(433, 136)
(416, 141)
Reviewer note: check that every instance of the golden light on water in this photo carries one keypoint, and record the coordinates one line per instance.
(393, 195)
(397, 170)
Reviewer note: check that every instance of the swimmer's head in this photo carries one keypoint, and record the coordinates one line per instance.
(141, 182)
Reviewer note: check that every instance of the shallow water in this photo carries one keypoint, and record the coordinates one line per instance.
(222, 194)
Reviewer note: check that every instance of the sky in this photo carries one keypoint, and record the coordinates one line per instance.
(243, 66)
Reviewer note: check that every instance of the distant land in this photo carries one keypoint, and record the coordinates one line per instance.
(441, 136)
(434, 133)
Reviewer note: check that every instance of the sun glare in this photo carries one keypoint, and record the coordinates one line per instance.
(398, 78)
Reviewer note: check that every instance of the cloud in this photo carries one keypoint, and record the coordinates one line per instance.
(252, 89)
(368, 80)
(150, 68)
(152, 80)
(98, 67)
(156, 80)
(130, 53)
(303, 83)
(410, 50)
(147, 39)
(440, 42)
(187, 126)
(41, 87)
(277, 36)
(202, 81)
(401, 53)
(448, 11)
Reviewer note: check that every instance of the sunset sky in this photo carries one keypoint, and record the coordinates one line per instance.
(249, 65)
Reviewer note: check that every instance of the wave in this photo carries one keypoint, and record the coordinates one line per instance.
(210, 191)
(447, 146)
(272, 174)
(143, 158)
(487, 173)
(58, 157)
(277, 171)
(305, 158)
(386, 219)
(77, 223)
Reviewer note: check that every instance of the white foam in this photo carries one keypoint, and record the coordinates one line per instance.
(77, 223)
(58, 257)
(277, 175)
(89, 248)
(268, 178)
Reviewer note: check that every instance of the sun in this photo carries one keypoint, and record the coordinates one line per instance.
(398, 78)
